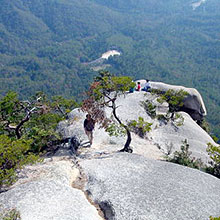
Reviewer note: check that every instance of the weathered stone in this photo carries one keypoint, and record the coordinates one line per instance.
(46, 193)
(126, 186)
(162, 135)
(193, 103)
(129, 186)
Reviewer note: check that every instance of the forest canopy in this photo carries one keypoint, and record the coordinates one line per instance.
(43, 50)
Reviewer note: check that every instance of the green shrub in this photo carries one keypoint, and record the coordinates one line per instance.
(214, 153)
(35, 119)
(178, 119)
(163, 118)
(183, 157)
(205, 125)
(156, 91)
(149, 108)
(174, 99)
(14, 154)
(12, 214)
(140, 127)
(214, 218)
(42, 130)
(116, 130)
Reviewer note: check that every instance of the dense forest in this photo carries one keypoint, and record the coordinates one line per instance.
(44, 45)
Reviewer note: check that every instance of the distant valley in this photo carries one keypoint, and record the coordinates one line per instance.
(44, 45)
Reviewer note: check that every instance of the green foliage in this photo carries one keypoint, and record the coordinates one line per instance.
(214, 153)
(106, 83)
(63, 105)
(104, 92)
(14, 155)
(149, 108)
(214, 218)
(174, 99)
(11, 214)
(183, 157)
(163, 118)
(116, 130)
(205, 125)
(214, 138)
(140, 127)
(28, 127)
(9, 111)
(43, 51)
(178, 119)
(34, 119)
(42, 130)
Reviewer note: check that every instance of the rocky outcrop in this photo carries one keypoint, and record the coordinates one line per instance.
(193, 103)
(131, 187)
(99, 182)
(45, 192)
(162, 136)
(114, 186)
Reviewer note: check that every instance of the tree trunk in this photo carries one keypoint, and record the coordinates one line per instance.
(127, 147)
(17, 129)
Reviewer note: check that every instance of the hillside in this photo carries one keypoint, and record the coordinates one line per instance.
(44, 43)
(100, 183)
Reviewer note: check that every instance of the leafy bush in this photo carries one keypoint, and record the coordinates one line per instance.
(214, 153)
(116, 130)
(34, 119)
(214, 218)
(174, 99)
(183, 157)
(42, 130)
(28, 127)
(12, 214)
(140, 127)
(163, 118)
(150, 108)
(205, 125)
(178, 119)
(14, 154)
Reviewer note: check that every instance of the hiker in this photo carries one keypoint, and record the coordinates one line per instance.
(89, 125)
(138, 86)
(131, 90)
(146, 86)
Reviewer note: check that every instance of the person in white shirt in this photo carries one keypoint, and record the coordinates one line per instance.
(146, 86)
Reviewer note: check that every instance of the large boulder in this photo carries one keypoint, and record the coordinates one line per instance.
(130, 186)
(193, 103)
(45, 192)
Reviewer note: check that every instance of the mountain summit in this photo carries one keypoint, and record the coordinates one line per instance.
(99, 182)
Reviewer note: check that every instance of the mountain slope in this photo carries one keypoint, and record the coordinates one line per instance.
(44, 43)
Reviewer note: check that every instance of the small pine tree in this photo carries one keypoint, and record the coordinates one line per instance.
(104, 92)
(140, 127)
(183, 157)
(214, 153)
(174, 99)
(14, 155)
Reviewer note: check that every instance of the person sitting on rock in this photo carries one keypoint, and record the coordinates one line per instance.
(146, 86)
(89, 125)
(138, 86)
